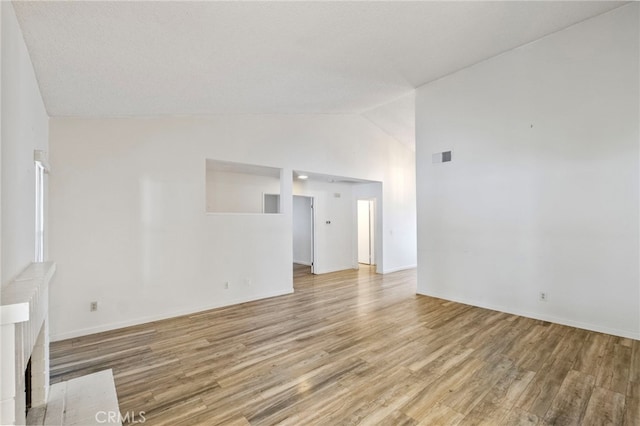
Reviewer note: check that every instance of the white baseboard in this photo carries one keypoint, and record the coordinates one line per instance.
(542, 317)
(399, 268)
(172, 314)
(300, 262)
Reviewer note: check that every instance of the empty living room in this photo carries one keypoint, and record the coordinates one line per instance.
(320, 213)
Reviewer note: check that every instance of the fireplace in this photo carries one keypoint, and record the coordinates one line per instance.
(24, 334)
(27, 388)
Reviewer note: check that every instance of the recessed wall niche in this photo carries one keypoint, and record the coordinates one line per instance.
(241, 188)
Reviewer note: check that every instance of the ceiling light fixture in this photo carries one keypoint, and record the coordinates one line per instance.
(303, 177)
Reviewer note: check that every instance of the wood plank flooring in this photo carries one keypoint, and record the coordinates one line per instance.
(355, 347)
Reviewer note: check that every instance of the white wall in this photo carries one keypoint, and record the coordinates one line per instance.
(128, 222)
(302, 230)
(542, 193)
(24, 128)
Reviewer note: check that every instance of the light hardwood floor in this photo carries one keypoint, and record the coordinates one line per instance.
(355, 347)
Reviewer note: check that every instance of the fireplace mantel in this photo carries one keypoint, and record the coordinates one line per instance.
(24, 333)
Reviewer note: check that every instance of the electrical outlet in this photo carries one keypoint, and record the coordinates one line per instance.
(93, 306)
(226, 285)
(543, 296)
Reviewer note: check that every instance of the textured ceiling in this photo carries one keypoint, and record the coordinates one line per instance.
(151, 58)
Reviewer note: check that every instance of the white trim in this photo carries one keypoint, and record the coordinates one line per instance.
(14, 313)
(563, 321)
(242, 214)
(399, 268)
(151, 318)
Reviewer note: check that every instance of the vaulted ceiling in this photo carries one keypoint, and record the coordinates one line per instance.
(148, 58)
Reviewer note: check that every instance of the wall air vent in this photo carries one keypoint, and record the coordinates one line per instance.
(441, 157)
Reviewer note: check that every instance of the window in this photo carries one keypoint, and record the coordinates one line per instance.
(41, 167)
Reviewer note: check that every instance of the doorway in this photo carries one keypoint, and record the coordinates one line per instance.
(366, 234)
(271, 203)
(303, 231)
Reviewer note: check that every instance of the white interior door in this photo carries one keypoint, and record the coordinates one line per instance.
(303, 252)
